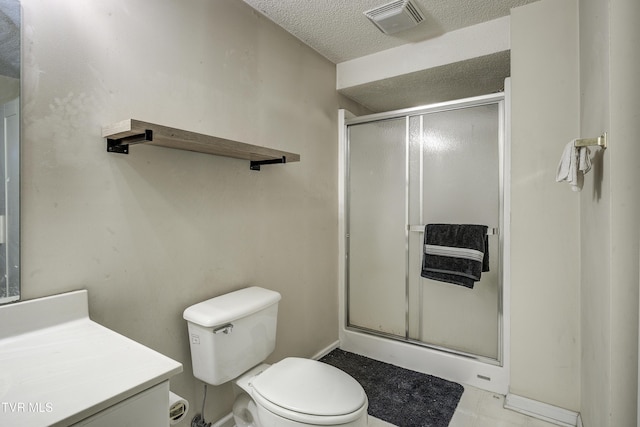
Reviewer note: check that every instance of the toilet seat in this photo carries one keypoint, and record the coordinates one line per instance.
(309, 391)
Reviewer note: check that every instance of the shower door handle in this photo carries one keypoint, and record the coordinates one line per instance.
(3, 229)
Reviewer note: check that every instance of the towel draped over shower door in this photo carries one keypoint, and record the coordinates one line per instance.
(455, 253)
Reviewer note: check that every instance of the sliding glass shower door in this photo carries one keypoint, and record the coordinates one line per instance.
(433, 165)
(377, 232)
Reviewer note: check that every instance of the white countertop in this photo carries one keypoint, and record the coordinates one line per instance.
(58, 367)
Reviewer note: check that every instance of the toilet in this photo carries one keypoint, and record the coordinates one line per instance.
(230, 337)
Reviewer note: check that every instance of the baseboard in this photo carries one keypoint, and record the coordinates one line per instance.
(544, 411)
(328, 349)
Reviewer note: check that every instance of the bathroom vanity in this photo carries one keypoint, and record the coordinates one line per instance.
(59, 368)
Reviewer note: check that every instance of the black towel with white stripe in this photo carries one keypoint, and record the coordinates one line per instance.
(455, 253)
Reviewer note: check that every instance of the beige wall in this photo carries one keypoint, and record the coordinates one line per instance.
(589, 271)
(153, 232)
(610, 213)
(625, 208)
(595, 218)
(545, 294)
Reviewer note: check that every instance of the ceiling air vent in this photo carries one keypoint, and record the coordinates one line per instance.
(395, 16)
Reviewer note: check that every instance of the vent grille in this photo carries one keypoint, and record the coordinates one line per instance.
(396, 16)
(415, 13)
(386, 8)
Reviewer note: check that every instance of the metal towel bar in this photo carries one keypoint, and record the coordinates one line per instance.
(600, 141)
(420, 229)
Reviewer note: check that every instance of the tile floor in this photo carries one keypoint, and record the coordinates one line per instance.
(479, 408)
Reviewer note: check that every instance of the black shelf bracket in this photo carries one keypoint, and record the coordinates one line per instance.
(121, 145)
(255, 164)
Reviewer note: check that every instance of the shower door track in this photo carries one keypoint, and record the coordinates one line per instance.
(431, 108)
(416, 342)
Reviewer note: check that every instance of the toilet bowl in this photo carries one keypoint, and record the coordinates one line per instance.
(231, 336)
(299, 392)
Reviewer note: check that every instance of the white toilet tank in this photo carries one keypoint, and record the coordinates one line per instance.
(232, 333)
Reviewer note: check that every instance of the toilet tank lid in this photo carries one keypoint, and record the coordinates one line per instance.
(229, 307)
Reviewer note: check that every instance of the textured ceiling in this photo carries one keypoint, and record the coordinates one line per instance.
(473, 77)
(338, 29)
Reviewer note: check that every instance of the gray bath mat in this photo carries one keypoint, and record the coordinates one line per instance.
(399, 396)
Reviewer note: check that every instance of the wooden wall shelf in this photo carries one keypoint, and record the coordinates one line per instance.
(129, 132)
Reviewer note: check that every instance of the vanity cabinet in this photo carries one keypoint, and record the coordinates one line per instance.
(59, 368)
(146, 409)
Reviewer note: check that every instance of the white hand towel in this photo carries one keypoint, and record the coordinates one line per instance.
(574, 163)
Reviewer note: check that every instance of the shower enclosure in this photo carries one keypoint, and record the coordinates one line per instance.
(443, 163)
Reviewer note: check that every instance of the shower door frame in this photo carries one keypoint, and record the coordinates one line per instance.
(486, 373)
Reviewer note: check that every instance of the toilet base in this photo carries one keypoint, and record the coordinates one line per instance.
(245, 413)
